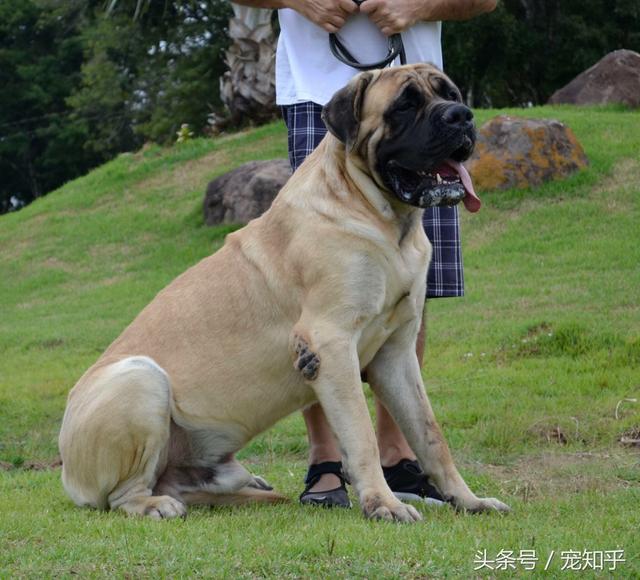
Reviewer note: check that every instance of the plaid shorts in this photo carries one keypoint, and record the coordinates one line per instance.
(445, 276)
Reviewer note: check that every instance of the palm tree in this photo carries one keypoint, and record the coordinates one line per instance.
(248, 87)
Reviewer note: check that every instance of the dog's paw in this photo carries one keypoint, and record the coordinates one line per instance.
(164, 507)
(486, 504)
(391, 510)
(259, 483)
(307, 362)
(158, 507)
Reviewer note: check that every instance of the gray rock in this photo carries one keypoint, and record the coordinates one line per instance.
(513, 152)
(613, 79)
(244, 193)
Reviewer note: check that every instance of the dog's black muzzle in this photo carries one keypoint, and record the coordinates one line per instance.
(421, 165)
(455, 129)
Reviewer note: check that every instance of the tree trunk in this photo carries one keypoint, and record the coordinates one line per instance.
(248, 88)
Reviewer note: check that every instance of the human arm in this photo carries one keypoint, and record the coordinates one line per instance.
(328, 14)
(392, 16)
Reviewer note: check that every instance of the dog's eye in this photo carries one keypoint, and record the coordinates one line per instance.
(410, 100)
(453, 95)
(449, 93)
(404, 106)
(446, 90)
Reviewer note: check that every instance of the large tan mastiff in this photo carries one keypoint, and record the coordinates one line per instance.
(327, 283)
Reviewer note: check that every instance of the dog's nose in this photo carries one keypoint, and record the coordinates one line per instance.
(457, 116)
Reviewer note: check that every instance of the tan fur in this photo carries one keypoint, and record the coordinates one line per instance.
(219, 355)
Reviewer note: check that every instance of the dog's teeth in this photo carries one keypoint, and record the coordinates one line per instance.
(438, 178)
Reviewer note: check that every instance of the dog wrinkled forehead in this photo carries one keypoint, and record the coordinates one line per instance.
(423, 73)
(369, 95)
(425, 78)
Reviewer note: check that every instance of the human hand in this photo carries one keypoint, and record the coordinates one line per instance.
(392, 16)
(328, 14)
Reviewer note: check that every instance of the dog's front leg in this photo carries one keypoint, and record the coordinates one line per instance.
(328, 361)
(394, 375)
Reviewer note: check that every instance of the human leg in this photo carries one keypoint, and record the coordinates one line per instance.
(325, 483)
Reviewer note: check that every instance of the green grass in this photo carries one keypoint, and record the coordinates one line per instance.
(525, 373)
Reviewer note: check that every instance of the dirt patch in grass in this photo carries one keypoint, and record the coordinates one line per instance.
(113, 251)
(631, 438)
(183, 177)
(57, 264)
(14, 249)
(52, 343)
(195, 174)
(624, 178)
(550, 474)
(550, 434)
(39, 302)
(32, 465)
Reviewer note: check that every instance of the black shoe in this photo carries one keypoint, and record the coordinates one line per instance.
(337, 497)
(409, 483)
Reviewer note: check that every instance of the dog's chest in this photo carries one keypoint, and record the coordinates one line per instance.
(399, 293)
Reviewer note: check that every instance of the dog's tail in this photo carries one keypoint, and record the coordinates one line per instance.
(244, 495)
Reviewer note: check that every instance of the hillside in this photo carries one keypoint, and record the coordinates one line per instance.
(530, 374)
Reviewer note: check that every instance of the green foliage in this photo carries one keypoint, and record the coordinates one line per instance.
(183, 64)
(144, 77)
(39, 66)
(526, 49)
(152, 73)
(79, 86)
(101, 101)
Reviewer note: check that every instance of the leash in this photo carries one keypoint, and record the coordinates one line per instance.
(396, 49)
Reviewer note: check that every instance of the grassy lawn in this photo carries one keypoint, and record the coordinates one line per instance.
(532, 375)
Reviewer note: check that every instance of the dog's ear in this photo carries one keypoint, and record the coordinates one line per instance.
(341, 114)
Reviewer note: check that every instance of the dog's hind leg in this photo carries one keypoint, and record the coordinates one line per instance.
(227, 483)
(242, 496)
(114, 438)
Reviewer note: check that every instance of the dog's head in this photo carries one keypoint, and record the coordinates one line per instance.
(409, 126)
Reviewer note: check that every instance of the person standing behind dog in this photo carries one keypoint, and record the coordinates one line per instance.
(307, 76)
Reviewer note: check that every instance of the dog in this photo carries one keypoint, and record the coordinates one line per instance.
(329, 282)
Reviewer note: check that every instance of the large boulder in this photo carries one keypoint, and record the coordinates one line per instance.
(244, 193)
(512, 152)
(613, 79)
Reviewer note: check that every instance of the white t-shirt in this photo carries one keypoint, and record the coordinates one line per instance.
(307, 71)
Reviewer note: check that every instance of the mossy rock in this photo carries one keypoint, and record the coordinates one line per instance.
(513, 152)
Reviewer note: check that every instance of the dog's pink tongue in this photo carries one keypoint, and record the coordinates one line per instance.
(471, 201)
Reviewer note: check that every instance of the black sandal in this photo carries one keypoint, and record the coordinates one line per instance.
(337, 497)
(409, 483)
